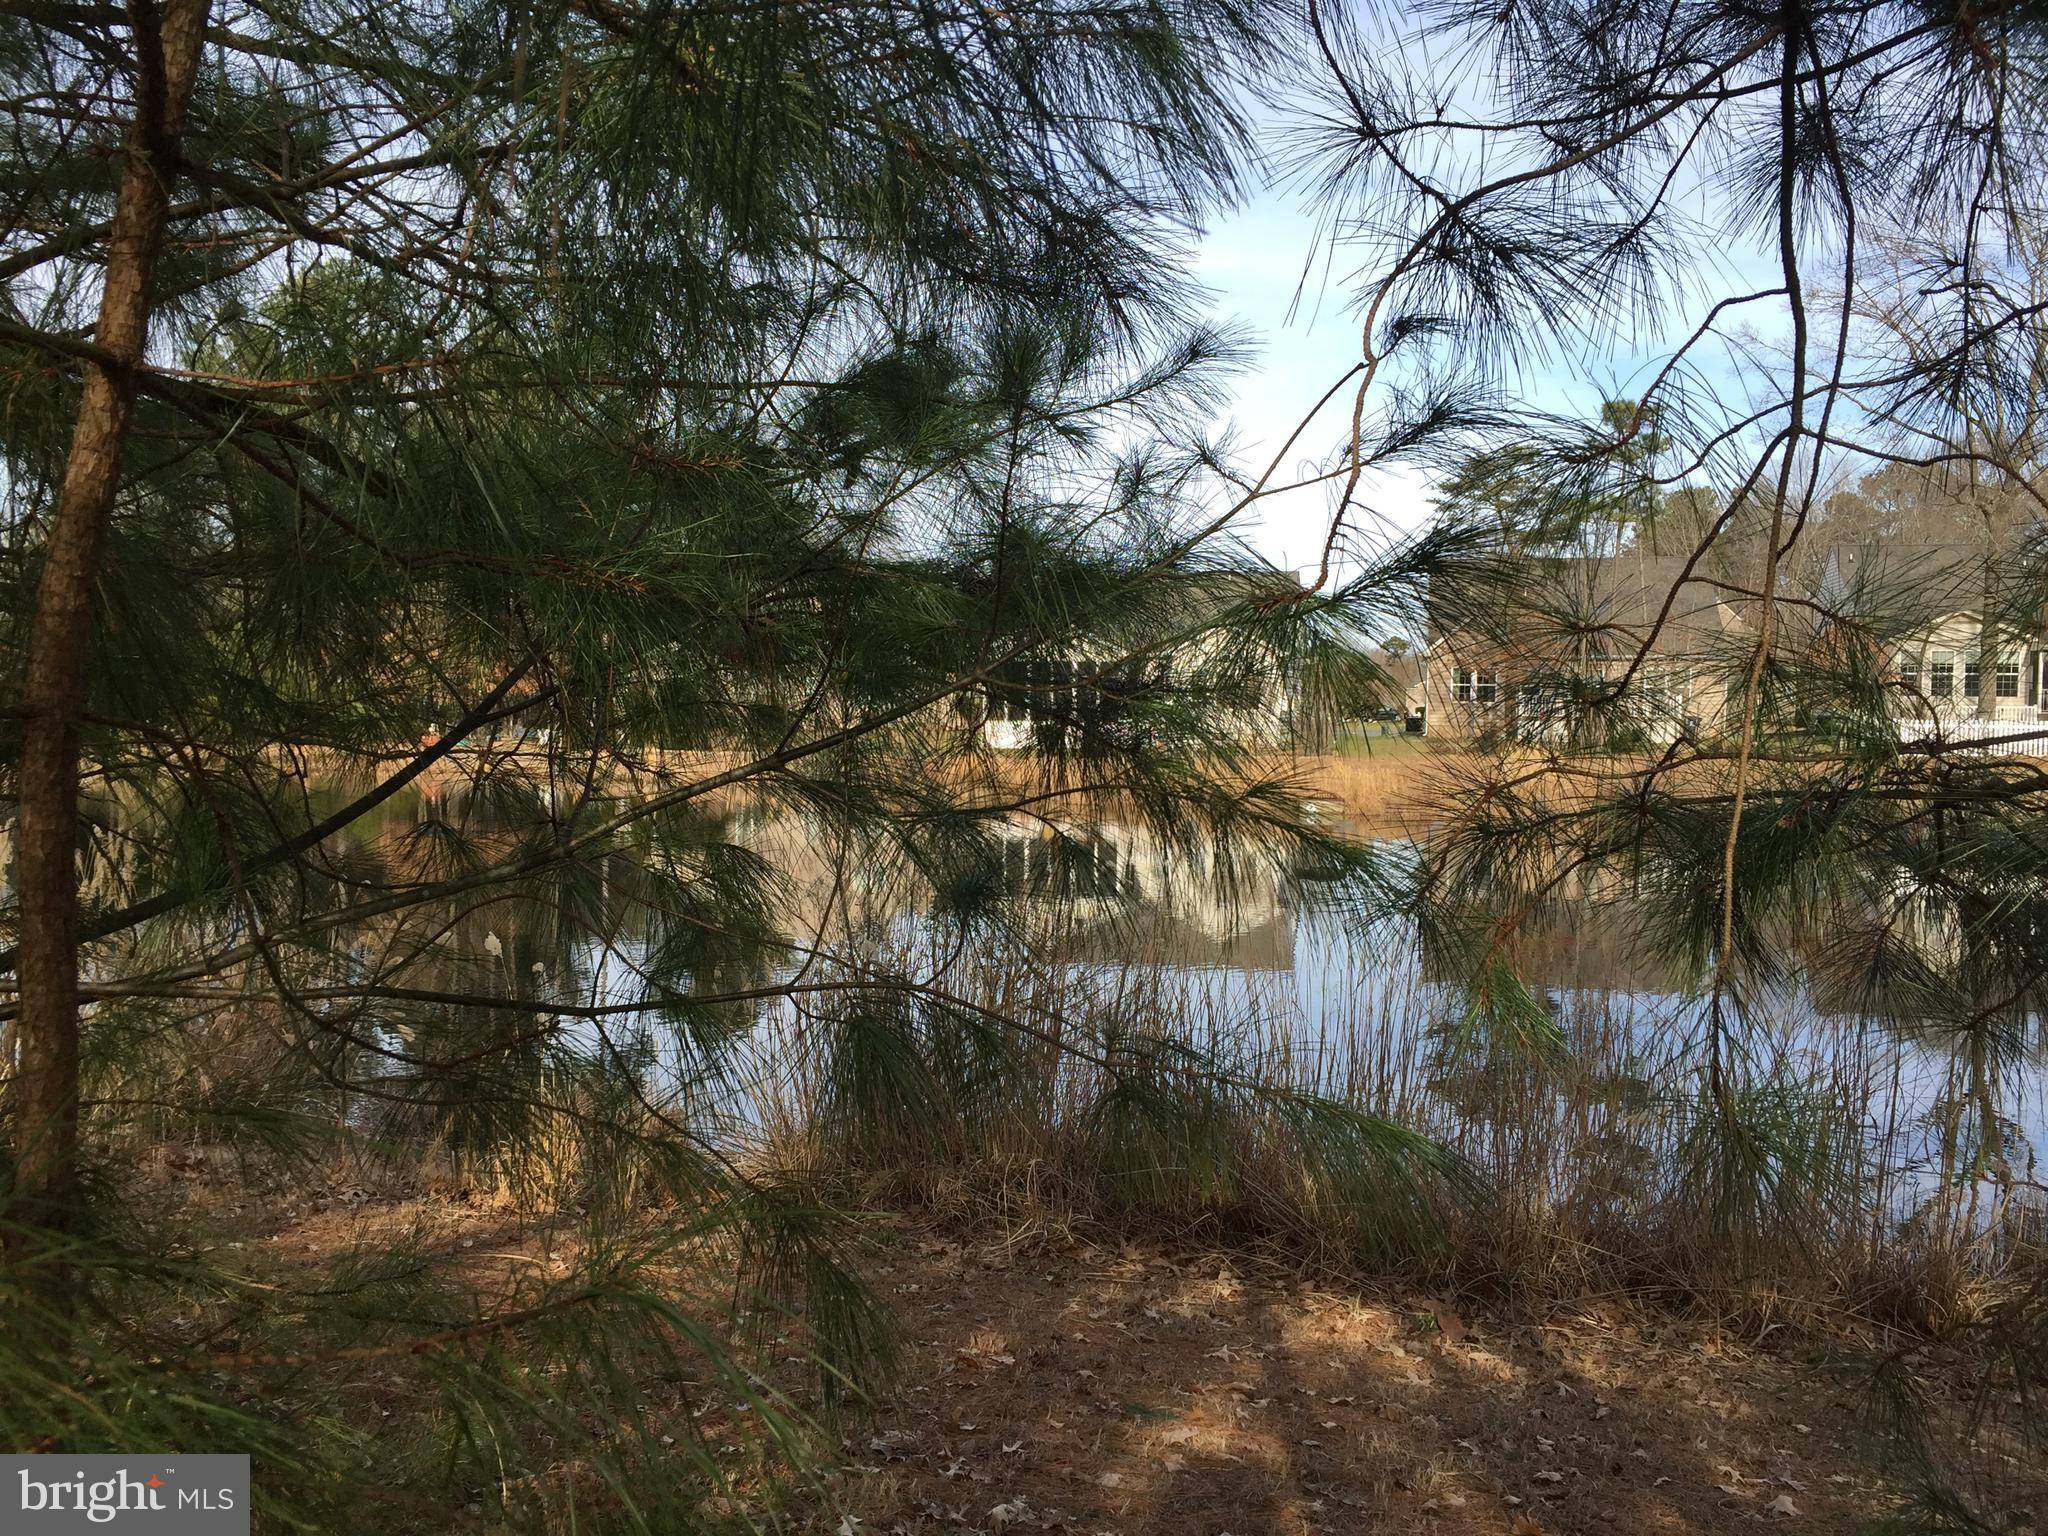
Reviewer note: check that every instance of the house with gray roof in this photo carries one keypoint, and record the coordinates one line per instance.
(1551, 664)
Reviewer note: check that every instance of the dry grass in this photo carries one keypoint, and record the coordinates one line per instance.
(1379, 791)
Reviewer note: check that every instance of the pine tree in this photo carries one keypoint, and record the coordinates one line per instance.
(464, 461)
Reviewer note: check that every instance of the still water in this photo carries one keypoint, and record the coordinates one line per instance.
(1357, 1008)
(1119, 924)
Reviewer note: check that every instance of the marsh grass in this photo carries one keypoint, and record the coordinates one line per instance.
(1583, 1155)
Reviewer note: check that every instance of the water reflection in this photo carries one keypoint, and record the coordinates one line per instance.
(1367, 1010)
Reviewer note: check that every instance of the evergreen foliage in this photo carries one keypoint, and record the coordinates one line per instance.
(466, 461)
(565, 436)
(1837, 208)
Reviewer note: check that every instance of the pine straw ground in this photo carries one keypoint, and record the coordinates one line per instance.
(1087, 1389)
(1047, 1382)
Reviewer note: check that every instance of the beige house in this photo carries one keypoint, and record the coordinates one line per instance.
(1937, 595)
(1539, 668)
(1035, 702)
(1580, 623)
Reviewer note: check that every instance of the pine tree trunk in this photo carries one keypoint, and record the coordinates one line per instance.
(167, 44)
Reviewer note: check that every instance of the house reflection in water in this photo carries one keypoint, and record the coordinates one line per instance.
(1096, 893)
(1561, 948)
(1121, 894)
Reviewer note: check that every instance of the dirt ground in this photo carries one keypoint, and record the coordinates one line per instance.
(1051, 1384)
(1132, 1391)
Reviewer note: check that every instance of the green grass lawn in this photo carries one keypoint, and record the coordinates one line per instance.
(1368, 741)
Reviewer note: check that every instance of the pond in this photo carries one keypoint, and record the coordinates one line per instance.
(1123, 926)
(1113, 928)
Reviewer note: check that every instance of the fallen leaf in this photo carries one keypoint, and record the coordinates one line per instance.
(1782, 1505)
(1449, 1324)
(988, 1360)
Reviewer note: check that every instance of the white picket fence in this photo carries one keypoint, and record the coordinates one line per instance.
(2009, 738)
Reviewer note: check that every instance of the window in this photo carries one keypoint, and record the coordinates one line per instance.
(1470, 686)
(1909, 673)
(1973, 681)
(2007, 678)
(1063, 692)
(1069, 867)
(1941, 676)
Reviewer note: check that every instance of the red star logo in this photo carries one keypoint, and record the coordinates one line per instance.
(154, 1481)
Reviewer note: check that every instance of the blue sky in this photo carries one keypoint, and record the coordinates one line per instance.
(1252, 260)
